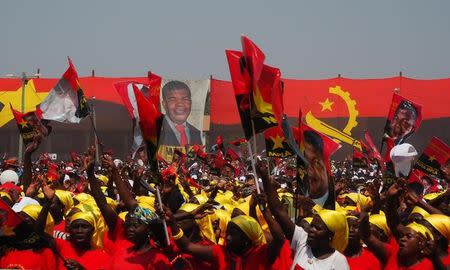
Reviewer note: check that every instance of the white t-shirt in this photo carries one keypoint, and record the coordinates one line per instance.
(305, 258)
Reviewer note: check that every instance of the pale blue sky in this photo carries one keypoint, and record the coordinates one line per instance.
(187, 39)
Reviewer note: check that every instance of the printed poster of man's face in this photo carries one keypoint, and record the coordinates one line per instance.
(319, 184)
(183, 105)
(403, 119)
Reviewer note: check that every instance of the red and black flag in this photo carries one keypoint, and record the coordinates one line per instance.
(150, 121)
(18, 234)
(257, 88)
(242, 86)
(276, 144)
(30, 125)
(403, 119)
(267, 96)
(66, 101)
(373, 152)
(238, 142)
(434, 157)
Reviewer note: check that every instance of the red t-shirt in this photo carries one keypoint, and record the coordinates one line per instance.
(28, 259)
(89, 259)
(446, 260)
(365, 261)
(177, 257)
(124, 257)
(392, 261)
(255, 259)
(59, 231)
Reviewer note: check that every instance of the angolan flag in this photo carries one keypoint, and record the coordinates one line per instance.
(66, 101)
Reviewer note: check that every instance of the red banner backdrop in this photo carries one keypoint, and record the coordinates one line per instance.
(341, 106)
(371, 97)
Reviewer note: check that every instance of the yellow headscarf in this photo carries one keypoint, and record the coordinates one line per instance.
(441, 223)
(308, 219)
(201, 198)
(90, 218)
(205, 224)
(33, 211)
(379, 220)
(432, 196)
(122, 215)
(251, 228)
(360, 200)
(146, 202)
(112, 203)
(5, 194)
(421, 229)
(103, 178)
(83, 197)
(65, 197)
(337, 223)
(100, 225)
(420, 211)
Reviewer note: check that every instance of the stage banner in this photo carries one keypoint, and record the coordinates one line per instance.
(344, 108)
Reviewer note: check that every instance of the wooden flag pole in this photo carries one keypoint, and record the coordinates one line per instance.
(166, 232)
(94, 127)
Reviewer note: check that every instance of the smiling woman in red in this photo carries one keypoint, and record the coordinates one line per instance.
(128, 243)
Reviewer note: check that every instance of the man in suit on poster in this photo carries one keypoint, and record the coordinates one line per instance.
(176, 131)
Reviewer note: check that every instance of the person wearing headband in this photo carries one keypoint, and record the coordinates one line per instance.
(358, 257)
(196, 224)
(34, 255)
(245, 247)
(319, 248)
(439, 225)
(410, 246)
(137, 242)
(82, 249)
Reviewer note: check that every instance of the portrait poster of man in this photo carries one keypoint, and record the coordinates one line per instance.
(183, 106)
(316, 179)
(403, 119)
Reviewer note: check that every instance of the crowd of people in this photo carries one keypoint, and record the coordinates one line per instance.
(186, 214)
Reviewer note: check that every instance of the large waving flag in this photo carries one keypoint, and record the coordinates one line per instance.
(257, 88)
(150, 121)
(150, 91)
(66, 101)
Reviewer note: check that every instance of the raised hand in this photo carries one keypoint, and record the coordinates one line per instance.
(49, 192)
(34, 145)
(107, 162)
(202, 211)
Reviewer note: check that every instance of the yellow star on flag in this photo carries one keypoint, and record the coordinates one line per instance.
(277, 142)
(32, 98)
(326, 105)
(23, 123)
(431, 158)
